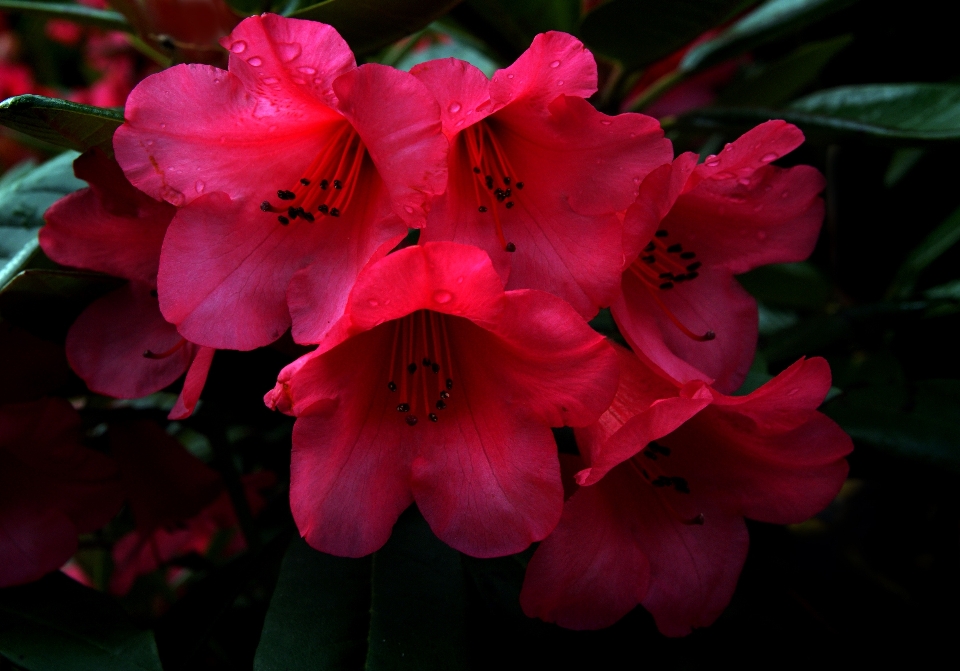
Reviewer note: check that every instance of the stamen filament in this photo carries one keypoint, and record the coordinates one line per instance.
(150, 354)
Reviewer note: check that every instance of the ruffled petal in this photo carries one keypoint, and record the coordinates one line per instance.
(591, 570)
(193, 384)
(713, 302)
(402, 134)
(658, 192)
(555, 64)
(350, 467)
(110, 227)
(106, 345)
(461, 89)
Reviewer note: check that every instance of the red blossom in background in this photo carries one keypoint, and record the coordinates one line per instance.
(51, 488)
(692, 228)
(537, 175)
(440, 388)
(121, 346)
(292, 170)
(672, 470)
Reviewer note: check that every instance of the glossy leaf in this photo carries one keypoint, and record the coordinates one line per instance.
(640, 32)
(367, 25)
(942, 238)
(442, 42)
(319, 613)
(61, 122)
(57, 624)
(518, 22)
(792, 285)
(770, 21)
(778, 82)
(915, 421)
(73, 12)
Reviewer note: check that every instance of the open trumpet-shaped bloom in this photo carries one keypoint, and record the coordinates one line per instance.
(692, 228)
(672, 470)
(292, 170)
(440, 388)
(120, 345)
(51, 488)
(536, 174)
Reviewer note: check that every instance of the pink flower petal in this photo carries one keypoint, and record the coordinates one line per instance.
(193, 384)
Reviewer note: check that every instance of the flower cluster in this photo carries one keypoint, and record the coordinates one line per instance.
(280, 195)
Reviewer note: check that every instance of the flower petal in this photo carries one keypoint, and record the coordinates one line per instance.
(461, 89)
(555, 64)
(106, 345)
(193, 384)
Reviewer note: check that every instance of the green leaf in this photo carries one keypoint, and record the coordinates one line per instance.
(519, 22)
(56, 624)
(61, 122)
(75, 13)
(367, 25)
(418, 603)
(915, 421)
(444, 42)
(770, 21)
(319, 614)
(942, 238)
(778, 82)
(790, 285)
(892, 112)
(902, 162)
(640, 32)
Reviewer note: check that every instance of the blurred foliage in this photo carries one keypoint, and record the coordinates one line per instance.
(873, 87)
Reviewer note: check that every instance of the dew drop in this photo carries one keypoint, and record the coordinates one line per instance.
(442, 296)
(163, 125)
(307, 70)
(745, 181)
(725, 175)
(270, 80)
(555, 64)
(606, 122)
(255, 61)
(200, 186)
(460, 280)
(149, 142)
(713, 164)
(766, 158)
(729, 147)
(510, 76)
(288, 51)
(373, 302)
(238, 47)
(454, 108)
(216, 81)
(173, 196)
(459, 123)
(560, 83)
(408, 209)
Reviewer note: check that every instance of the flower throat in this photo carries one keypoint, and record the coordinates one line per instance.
(328, 184)
(421, 368)
(492, 176)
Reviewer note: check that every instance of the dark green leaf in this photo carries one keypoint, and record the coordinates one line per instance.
(793, 285)
(443, 42)
(902, 162)
(418, 604)
(778, 82)
(772, 20)
(319, 613)
(640, 32)
(367, 25)
(56, 624)
(519, 22)
(61, 122)
(915, 421)
(250, 7)
(74, 12)
(892, 112)
(942, 238)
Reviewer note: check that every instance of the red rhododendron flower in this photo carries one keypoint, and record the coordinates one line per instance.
(692, 228)
(672, 471)
(121, 346)
(293, 170)
(51, 489)
(440, 388)
(537, 175)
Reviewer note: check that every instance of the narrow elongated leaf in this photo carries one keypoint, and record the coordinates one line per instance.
(367, 25)
(640, 32)
(915, 421)
(418, 606)
(770, 21)
(897, 113)
(319, 613)
(61, 122)
(74, 12)
(56, 624)
(942, 238)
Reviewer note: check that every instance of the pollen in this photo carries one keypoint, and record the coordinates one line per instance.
(492, 176)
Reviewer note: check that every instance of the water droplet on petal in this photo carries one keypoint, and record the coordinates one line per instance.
(555, 64)
(373, 302)
(307, 70)
(459, 123)
(216, 81)
(238, 47)
(270, 80)
(713, 164)
(163, 125)
(408, 209)
(454, 108)
(173, 196)
(745, 181)
(766, 158)
(606, 122)
(288, 51)
(149, 142)
(636, 180)
(510, 76)
(560, 83)
(460, 280)
(200, 186)
(255, 61)
(442, 296)
(728, 147)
